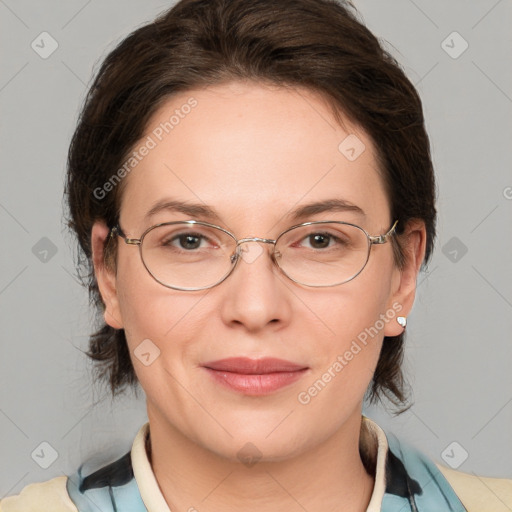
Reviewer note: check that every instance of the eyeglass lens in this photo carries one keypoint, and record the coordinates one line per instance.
(195, 256)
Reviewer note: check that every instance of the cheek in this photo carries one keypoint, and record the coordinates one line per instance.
(150, 311)
(168, 318)
(161, 327)
(349, 323)
(356, 331)
(355, 310)
(345, 358)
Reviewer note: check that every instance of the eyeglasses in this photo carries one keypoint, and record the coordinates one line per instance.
(193, 255)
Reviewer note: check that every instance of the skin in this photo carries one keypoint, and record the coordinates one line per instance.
(253, 153)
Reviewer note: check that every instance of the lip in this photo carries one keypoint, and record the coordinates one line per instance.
(255, 376)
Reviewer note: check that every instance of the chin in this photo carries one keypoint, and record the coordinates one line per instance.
(263, 440)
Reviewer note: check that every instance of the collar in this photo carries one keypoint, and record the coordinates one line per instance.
(373, 443)
(405, 479)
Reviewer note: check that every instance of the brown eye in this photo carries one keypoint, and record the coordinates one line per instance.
(186, 241)
(319, 241)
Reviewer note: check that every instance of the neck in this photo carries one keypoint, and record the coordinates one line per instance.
(329, 477)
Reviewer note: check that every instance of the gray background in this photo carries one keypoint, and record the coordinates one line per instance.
(459, 347)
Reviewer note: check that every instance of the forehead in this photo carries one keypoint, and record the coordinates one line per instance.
(252, 152)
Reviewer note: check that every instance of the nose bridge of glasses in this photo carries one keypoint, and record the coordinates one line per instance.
(249, 255)
(255, 239)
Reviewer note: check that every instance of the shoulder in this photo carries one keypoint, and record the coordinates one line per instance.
(411, 474)
(109, 487)
(480, 494)
(52, 495)
(98, 483)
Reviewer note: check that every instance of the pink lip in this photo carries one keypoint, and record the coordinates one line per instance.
(255, 376)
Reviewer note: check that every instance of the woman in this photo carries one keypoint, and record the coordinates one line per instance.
(252, 186)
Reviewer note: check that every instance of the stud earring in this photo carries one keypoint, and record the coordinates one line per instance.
(402, 321)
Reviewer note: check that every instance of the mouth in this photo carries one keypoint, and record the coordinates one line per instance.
(255, 377)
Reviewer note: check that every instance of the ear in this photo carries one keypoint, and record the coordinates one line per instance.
(105, 277)
(404, 282)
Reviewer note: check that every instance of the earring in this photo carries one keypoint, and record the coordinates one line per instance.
(402, 321)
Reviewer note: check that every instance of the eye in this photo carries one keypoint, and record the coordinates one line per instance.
(319, 240)
(322, 240)
(186, 241)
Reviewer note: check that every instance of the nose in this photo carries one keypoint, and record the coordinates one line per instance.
(256, 294)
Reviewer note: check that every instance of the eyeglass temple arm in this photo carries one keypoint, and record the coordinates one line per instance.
(116, 230)
(382, 239)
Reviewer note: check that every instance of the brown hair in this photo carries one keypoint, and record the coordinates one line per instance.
(317, 44)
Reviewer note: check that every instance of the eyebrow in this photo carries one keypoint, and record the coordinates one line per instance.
(192, 209)
(207, 212)
(327, 205)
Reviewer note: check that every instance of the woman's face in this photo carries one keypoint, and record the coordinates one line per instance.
(253, 155)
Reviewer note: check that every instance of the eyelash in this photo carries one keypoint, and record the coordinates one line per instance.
(332, 238)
